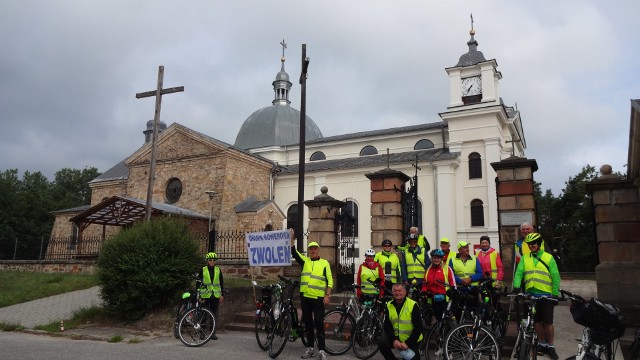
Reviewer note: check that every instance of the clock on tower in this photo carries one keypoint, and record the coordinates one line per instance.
(471, 90)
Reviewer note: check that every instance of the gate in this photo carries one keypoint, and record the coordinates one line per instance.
(345, 229)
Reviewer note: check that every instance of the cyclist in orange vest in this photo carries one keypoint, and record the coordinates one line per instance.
(490, 261)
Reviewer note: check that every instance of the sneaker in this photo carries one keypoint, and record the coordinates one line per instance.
(542, 349)
(322, 355)
(308, 353)
(552, 353)
(214, 337)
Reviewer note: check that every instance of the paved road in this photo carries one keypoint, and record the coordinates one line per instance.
(232, 345)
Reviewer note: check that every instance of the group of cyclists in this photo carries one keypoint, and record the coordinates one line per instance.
(413, 264)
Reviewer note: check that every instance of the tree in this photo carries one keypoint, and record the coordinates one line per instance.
(566, 223)
(71, 187)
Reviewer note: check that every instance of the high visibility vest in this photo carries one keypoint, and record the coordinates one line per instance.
(213, 287)
(312, 280)
(537, 276)
(465, 269)
(523, 249)
(415, 267)
(402, 325)
(390, 266)
(367, 276)
(494, 267)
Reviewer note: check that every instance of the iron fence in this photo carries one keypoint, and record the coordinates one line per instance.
(58, 248)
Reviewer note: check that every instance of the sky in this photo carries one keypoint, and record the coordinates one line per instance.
(70, 69)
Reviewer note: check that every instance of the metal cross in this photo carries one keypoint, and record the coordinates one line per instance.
(154, 143)
(284, 46)
(471, 21)
(513, 148)
(416, 166)
(387, 158)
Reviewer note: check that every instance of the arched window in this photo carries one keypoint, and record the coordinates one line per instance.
(292, 217)
(352, 208)
(368, 150)
(318, 155)
(423, 144)
(477, 213)
(475, 166)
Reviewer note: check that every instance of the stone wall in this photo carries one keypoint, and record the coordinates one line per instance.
(50, 266)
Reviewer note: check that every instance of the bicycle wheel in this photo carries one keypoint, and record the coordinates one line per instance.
(180, 309)
(465, 342)
(280, 335)
(528, 349)
(433, 344)
(196, 327)
(338, 331)
(263, 325)
(303, 335)
(367, 333)
(586, 356)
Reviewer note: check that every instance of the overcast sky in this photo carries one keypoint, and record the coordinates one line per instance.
(69, 71)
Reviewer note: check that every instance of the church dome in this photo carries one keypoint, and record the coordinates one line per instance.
(278, 124)
(274, 125)
(473, 56)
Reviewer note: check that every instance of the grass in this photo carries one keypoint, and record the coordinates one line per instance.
(10, 327)
(21, 286)
(115, 339)
(80, 317)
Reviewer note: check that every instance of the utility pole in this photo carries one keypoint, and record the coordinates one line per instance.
(154, 142)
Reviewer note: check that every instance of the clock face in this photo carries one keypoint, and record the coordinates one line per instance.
(471, 86)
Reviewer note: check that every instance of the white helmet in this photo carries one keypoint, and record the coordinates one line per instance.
(370, 252)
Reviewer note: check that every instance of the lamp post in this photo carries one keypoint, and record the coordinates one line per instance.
(211, 194)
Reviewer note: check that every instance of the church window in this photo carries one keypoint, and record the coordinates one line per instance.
(477, 213)
(173, 190)
(368, 150)
(318, 155)
(475, 166)
(292, 217)
(423, 144)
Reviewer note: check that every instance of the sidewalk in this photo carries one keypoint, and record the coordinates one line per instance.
(50, 309)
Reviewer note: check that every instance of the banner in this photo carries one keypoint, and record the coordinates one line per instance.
(269, 248)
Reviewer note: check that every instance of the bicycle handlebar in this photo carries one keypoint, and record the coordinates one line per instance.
(575, 298)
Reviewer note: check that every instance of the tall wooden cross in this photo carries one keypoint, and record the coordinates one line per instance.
(154, 143)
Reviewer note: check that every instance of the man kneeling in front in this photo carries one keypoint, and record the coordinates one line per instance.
(402, 326)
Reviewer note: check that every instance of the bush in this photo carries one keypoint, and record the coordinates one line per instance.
(146, 267)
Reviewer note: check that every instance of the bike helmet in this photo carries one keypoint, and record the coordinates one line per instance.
(370, 252)
(437, 252)
(533, 238)
(211, 255)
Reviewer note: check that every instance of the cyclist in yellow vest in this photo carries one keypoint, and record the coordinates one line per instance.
(415, 234)
(402, 326)
(414, 262)
(539, 273)
(369, 273)
(490, 261)
(212, 278)
(466, 267)
(390, 263)
(520, 248)
(316, 283)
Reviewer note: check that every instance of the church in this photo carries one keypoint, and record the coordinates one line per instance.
(254, 182)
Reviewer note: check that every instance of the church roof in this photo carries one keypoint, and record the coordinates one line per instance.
(274, 125)
(373, 161)
(251, 204)
(381, 132)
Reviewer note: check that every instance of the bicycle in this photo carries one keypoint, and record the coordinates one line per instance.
(187, 302)
(369, 328)
(526, 346)
(603, 325)
(197, 324)
(476, 339)
(339, 324)
(286, 327)
(264, 320)
(433, 345)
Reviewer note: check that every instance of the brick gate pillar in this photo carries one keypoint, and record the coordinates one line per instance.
(322, 214)
(516, 204)
(386, 206)
(616, 206)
